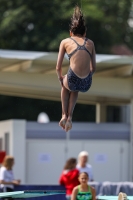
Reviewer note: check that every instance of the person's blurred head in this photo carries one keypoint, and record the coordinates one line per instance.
(83, 158)
(8, 162)
(77, 26)
(70, 164)
(83, 178)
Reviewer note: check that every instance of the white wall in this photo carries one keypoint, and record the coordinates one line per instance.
(108, 158)
(19, 149)
(16, 130)
(45, 160)
(40, 161)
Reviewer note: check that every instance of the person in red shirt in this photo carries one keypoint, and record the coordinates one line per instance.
(69, 176)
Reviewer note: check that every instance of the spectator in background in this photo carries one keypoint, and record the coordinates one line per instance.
(69, 176)
(83, 166)
(83, 191)
(7, 180)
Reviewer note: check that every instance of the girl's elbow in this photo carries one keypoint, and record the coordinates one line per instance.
(57, 68)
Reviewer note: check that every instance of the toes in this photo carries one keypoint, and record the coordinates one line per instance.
(62, 123)
(68, 126)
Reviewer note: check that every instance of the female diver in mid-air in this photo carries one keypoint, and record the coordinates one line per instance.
(81, 53)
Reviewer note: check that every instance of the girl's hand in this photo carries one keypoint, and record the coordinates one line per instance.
(19, 181)
(16, 182)
(61, 80)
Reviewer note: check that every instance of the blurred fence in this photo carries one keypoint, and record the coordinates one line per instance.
(42, 187)
(105, 188)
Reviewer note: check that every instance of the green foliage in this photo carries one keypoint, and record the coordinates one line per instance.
(41, 25)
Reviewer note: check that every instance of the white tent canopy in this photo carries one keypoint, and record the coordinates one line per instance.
(32, 74)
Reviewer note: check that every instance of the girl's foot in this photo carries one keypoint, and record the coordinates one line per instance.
(122, 196)
(68, 125)
(62, 122)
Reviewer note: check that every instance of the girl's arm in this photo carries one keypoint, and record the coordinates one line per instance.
(93, 60)
(13, 182)
(60, 60)
(74, 193)
(93, 191)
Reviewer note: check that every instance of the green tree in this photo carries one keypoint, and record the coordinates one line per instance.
(41, 25)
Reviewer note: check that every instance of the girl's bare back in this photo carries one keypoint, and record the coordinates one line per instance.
(80, 62)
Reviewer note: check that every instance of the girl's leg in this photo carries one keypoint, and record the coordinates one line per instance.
(68, 99)
(72, 102)
(65, 93)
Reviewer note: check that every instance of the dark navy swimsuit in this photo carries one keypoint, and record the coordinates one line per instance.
(76, 83)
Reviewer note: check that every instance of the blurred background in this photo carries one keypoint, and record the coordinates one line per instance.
(41, 25)
(29, 125)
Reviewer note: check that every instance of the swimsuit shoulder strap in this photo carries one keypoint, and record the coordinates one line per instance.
(89, 189)
(82, 46)
(86, 48)
(70, 54)
(74, 41)
(79, 47)
(78, 188)
(85, 41)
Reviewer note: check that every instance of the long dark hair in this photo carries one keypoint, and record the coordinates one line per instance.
(70, 163)
(77, 26)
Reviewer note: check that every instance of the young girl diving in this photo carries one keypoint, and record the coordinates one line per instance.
(81, 54)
